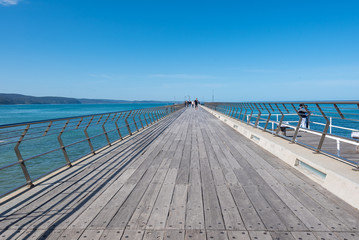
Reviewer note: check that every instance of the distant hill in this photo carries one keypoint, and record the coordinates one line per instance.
(6, 99)
(23, 99)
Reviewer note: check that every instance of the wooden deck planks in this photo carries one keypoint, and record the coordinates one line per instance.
(188, 177)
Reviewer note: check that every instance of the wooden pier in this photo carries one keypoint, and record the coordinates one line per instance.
(188, 176)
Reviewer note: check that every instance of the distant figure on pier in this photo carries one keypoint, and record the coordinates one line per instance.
(304, 113)
(196, 102)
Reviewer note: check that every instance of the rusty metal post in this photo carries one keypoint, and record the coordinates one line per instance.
(87, 135)
(250, 117)
(324, 133)
(240, 113)
(134, 120)
(62, 144)
(21, 160)
(259, 115)
(128, 125)
(118, 129)
(268, 119)
(298, 125)
(280, 121)
(144, 115)
(105, 132)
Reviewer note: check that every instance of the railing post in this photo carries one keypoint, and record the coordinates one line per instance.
(330, 125)
(259, 115)
(153, 119)
(245, 114)
(156, 115)
(21, 160)
(268, 119)
(144, 115)
(128, 125)
(104, 131)
(324, 133)
(139, 117)
(249, 119)
(87, 135)
(62, 144)
(236, 112)
(240, 113)
(134, 120)
(118, 129)
(280, 121)
(298, 125)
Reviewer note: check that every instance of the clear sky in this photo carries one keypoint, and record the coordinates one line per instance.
(164, 50)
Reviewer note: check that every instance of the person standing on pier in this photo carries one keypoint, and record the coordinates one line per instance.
(196, 103)
(304, 114)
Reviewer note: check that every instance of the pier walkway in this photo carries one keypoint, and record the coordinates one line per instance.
(189, 176)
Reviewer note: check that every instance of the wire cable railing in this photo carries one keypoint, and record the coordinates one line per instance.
(330, 128)
(31, 150)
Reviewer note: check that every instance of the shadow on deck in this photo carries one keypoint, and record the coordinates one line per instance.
(187, 177)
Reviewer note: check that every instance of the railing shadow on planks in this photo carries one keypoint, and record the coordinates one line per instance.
(32, 150)
(333, 127)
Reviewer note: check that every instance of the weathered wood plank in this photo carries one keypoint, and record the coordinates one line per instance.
(238, 235)
(160, 210)
(11, 234)
(153, 235)
(194, 211)
(71, 234)
(177, 213)
(260, 235)
(174, 234)
(133, 235)
(215, 234)
(251, 219)
(282, 235)
(195, 234)
(304, 235)
(347, 235)
(326, 235)
(212, 212)
(111, 234)
(142, 213)
(91, 234)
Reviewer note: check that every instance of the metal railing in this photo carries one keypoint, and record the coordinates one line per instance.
(32, 150)
(333, 126)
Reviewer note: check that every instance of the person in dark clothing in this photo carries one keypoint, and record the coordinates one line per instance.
(196, 102)
(304, 113)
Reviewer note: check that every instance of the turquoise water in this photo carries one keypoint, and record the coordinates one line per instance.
(13, 177)
(25, 113)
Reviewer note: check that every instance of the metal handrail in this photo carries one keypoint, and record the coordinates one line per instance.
(38, 139)
(346, 113)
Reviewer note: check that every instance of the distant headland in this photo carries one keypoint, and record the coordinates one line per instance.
(9, 98)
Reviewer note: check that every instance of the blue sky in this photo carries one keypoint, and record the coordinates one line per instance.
(164, 50)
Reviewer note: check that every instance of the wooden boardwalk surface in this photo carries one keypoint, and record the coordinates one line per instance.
(186, 177)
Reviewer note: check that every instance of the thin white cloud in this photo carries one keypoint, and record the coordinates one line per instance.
(260, 71)
(177, 85)
(181, 76)
(327, 83)
(102, 76)
(9, 2)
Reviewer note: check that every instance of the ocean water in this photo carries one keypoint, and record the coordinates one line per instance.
(24, 113)
(35, 144)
